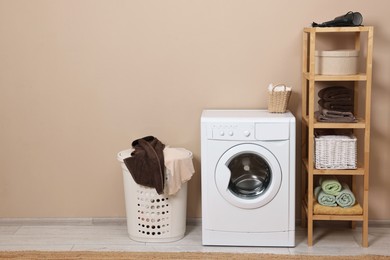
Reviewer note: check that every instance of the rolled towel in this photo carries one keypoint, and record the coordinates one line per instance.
(323, 198)
(345, 198)
(330, 185)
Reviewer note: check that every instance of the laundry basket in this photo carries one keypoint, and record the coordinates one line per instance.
(152, 217)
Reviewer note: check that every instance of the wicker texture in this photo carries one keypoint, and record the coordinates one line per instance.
(335, 152)
(278, 100)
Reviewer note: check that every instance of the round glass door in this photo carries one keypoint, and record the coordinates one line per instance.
(248, 176)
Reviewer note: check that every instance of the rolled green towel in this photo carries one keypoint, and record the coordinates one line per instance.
(330, 185)
(346, 198)
(323, 198)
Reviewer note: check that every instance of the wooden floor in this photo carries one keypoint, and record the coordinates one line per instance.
(111, 235)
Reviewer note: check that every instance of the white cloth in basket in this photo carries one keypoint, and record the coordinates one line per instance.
(179, 168)
(279, 87)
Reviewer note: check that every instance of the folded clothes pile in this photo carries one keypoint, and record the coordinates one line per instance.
(332, 193)
(336, 105)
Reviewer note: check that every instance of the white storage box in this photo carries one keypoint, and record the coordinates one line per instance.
(152, 217)
(335, 152)
(337, 62)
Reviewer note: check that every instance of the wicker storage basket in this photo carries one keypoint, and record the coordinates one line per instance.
(335, 152)
(278, 99)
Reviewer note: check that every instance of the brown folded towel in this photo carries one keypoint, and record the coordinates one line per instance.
(146, 163)
(345, 106)
(336, 93)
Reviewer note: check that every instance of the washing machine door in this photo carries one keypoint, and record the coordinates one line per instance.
(248, 176)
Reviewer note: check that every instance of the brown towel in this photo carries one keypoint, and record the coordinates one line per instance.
(337, 98)
(146, 163)
(344, 106)
(336, 93)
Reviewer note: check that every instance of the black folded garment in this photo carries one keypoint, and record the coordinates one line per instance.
(336, 93)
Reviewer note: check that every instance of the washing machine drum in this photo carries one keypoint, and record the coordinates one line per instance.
(248, 176)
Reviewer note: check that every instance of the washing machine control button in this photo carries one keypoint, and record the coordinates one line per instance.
(247, 133)
(231, 131)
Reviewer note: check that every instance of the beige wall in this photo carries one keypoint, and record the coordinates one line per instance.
(79, 80)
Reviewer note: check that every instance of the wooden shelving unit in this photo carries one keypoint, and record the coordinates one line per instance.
(310, 80)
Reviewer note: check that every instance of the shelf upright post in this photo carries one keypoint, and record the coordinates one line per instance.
(310, 155)
(304, 126)
(370, 39)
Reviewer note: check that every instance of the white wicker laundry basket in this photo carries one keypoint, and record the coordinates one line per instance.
(335, 152)
(152, 217)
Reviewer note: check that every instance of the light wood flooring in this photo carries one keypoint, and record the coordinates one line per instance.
(111, 235)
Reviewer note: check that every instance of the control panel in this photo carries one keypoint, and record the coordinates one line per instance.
(231, 131)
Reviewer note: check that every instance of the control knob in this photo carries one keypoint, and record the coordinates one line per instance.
(247, 133)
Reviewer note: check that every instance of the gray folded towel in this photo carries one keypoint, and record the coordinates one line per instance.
(326, 115)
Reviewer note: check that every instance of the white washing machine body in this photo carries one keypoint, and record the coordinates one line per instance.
(248, 178)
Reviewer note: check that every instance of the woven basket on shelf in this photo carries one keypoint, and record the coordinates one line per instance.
(335, 152)
(278, 100)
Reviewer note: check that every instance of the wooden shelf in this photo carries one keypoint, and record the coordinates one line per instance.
(316, 77)
(358, 171)
(361, 123)
(334, 217)
(310, 124)
(339, 217)
(337, 29)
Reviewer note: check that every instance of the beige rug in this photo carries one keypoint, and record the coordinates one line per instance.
(35, 255)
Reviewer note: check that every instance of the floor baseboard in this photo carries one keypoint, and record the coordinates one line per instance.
(122, 221)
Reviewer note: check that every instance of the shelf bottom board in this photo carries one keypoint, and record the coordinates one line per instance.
(319, 209)
(339, 217)
(354, 213)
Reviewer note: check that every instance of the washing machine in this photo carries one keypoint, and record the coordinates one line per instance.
(248, 178)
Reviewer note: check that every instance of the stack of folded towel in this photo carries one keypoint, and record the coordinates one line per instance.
(332, 193)
(336, 105)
